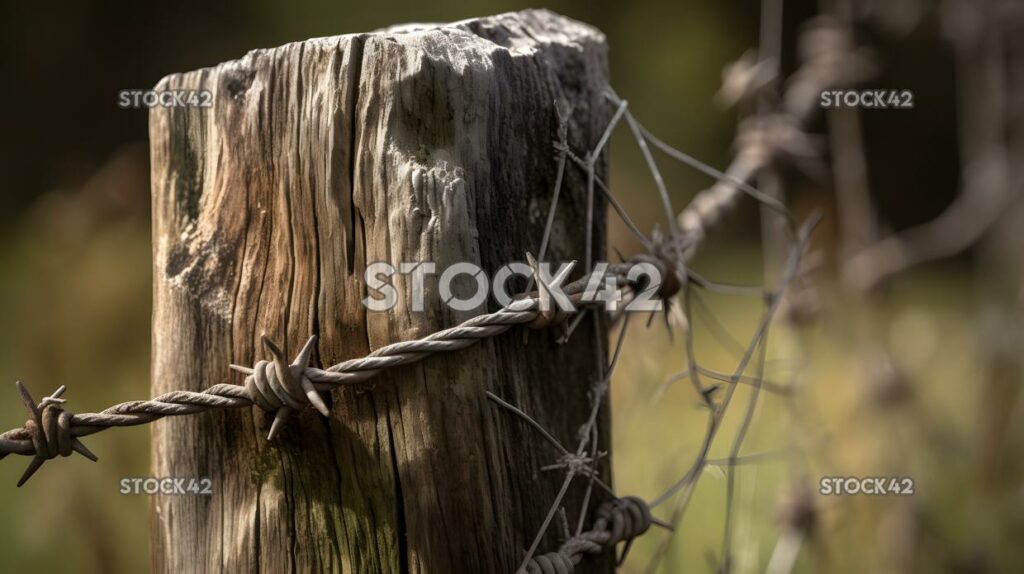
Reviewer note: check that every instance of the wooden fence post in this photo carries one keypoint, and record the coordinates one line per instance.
(420, 143)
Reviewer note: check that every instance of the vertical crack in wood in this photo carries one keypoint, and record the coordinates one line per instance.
(353, 81)
(401, 535)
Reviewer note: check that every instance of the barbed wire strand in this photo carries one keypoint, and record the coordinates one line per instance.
(278, 386)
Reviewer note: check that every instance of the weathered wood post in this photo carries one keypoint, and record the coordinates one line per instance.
(421, 143)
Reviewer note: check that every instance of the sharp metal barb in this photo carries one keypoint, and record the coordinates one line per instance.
(29, 402)
(314, 396)
(33, 465)
(618, 346)
(543, 293)
(279, 419)
(280, 361)
(82, 450)
(562, 275)
(573, 325)
(302, 360)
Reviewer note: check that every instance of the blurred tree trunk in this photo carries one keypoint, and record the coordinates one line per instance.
(419, 143)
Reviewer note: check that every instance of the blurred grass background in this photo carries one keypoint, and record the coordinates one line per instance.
(75, 284)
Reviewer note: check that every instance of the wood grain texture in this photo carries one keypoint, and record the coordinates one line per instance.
(416, 143)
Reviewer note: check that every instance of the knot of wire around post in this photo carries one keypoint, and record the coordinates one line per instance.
(279, 387)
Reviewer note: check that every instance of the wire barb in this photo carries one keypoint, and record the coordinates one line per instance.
(549, 312)
(279, 387)
(49, 430)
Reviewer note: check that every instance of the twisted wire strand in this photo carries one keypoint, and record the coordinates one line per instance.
(277, 386)
(619, 520)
